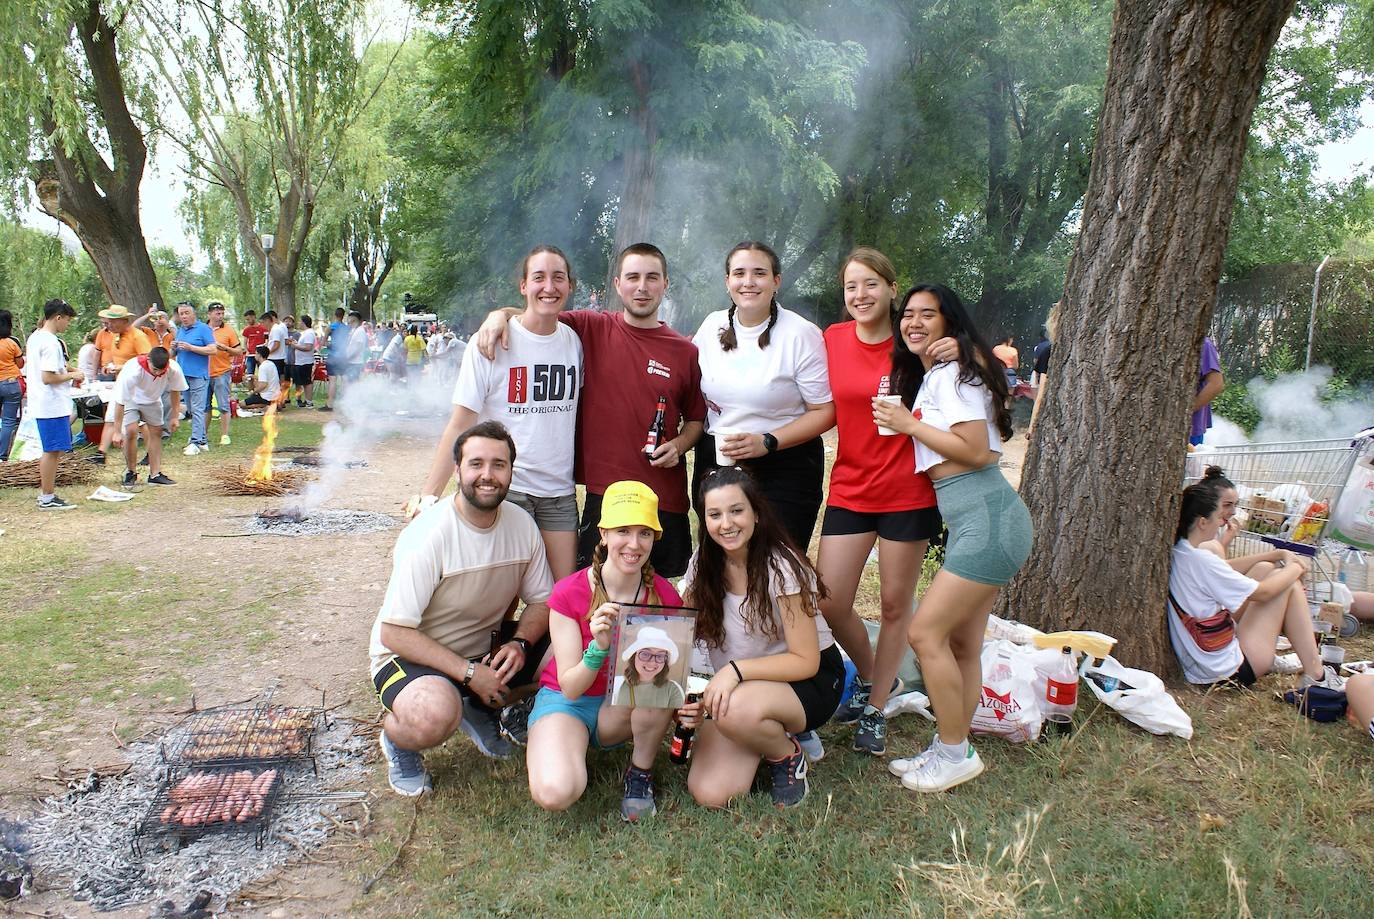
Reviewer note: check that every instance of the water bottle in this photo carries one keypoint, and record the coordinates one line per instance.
(1354, 570)
(1061, 686)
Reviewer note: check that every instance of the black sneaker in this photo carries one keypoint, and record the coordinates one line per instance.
(326, 408)
(144, 461)
(130, 479)
(515, 721)
(789, 777)
(871, 737)
(54, 503)
(850, 710)
(638, 801)
(483, 728)
(96, 459)
(160, 479)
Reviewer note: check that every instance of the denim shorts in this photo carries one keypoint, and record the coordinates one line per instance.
(584, 708)
(220, 389)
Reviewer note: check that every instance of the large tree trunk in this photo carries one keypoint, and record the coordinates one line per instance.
(96, 200)
(1102, 477)
(640, 170)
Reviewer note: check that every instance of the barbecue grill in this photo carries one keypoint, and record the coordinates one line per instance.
(191, 803)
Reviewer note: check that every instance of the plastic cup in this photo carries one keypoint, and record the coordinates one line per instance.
(894, 400)
(720, 434)
(1333, 655)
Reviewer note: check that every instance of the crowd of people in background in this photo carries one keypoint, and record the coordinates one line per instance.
(151, 371)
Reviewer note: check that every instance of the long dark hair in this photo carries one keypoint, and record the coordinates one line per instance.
(977, 364)
(771, 552)
(6, 324)
(727, 334)
(1201, 499)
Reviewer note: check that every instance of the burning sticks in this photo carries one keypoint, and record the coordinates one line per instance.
(237, 480)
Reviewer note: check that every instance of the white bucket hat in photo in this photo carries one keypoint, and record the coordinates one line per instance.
(651, 637)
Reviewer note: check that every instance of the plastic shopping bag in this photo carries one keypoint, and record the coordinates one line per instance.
(1008, 707)
(1352, 521)
(1138, 696)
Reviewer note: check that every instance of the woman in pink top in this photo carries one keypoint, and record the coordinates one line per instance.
(569, 713)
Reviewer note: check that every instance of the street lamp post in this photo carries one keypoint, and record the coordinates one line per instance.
(267, 240)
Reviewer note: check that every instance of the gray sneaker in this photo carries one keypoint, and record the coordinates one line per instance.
(638, 801)
(484, 729)
(405, 769)
(515, 721)
(850, 710)
(789, 778)
(811, 745)
(871, 737)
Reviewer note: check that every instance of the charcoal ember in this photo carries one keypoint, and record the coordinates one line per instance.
(294, 522)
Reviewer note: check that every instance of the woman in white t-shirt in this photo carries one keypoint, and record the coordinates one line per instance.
(777, 670)
(764, 376)
(958, 421)
(532, 388)
(1263, 593)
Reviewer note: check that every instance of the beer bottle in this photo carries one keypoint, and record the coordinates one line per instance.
(651, 443)
(680, 747)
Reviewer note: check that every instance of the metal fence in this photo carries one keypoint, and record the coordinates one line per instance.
(1291, 317)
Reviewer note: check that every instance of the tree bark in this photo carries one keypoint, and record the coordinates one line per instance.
(1103, 473)
(98, 201)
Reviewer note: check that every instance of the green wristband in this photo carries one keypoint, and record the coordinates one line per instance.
(594, 656)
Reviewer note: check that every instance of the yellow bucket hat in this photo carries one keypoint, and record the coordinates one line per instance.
(630, 504)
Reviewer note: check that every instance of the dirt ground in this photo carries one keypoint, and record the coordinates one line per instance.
(321, 594)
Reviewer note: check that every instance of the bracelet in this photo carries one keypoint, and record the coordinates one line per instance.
(594, 656)
(739, 676)
(524, 645)
(472, 669)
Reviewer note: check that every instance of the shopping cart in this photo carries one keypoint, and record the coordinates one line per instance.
(1287, 491)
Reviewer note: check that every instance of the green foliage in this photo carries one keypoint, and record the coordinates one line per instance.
(1235, 405)
(34, 268)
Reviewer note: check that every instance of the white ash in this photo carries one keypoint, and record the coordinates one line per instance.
(322, 522)
(84, 840)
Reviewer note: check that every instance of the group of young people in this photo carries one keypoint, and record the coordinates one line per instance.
(615, 401)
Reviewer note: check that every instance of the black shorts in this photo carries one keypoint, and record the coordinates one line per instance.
(820, 695)
(670, 553)
(302, 374)
(1243, 677)
(894, 526)
(399, 673)
(283, 372)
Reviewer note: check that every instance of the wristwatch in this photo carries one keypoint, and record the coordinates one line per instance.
(472, 669)
(524, 644)
(770, 443)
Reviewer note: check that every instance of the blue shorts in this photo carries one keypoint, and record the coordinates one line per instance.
(55, 434)
(584, 708)
(220, 390)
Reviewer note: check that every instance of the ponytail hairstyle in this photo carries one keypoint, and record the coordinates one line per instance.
(772, 553)
(1201, 499)
(599, 595)
(978, 366)
(874, 260)
(727, 334)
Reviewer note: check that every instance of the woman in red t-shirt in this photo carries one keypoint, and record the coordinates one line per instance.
(875, 495)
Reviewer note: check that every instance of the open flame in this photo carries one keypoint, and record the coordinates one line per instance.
(262, 456)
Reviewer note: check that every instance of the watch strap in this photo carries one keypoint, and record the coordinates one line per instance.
(472, 670)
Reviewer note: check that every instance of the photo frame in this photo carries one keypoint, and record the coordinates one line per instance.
(651, 658)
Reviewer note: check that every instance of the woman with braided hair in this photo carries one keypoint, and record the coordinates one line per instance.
(569, 714)
(767, 389)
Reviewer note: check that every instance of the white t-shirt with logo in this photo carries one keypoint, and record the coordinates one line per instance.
(306, 340)
(45, 351)
(944, 402)
(532, 388)
(743, 644)
(1203, 584)
(760, 390)
(136, 386)
(267, 373)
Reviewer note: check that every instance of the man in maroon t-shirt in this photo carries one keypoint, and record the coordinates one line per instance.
(254, 334)
(630, 361)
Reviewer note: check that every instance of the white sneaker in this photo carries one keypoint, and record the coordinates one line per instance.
(811, 745)
(191, 450)
(1287, 664)
(1330, 680)
(900, 767)
(940, 774)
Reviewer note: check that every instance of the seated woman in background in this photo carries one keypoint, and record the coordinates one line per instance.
(1266, 600)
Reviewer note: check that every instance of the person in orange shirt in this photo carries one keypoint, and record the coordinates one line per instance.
(158, 327)
(11, 395)
(1005, 351)
(119, 342)
(228, 346)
